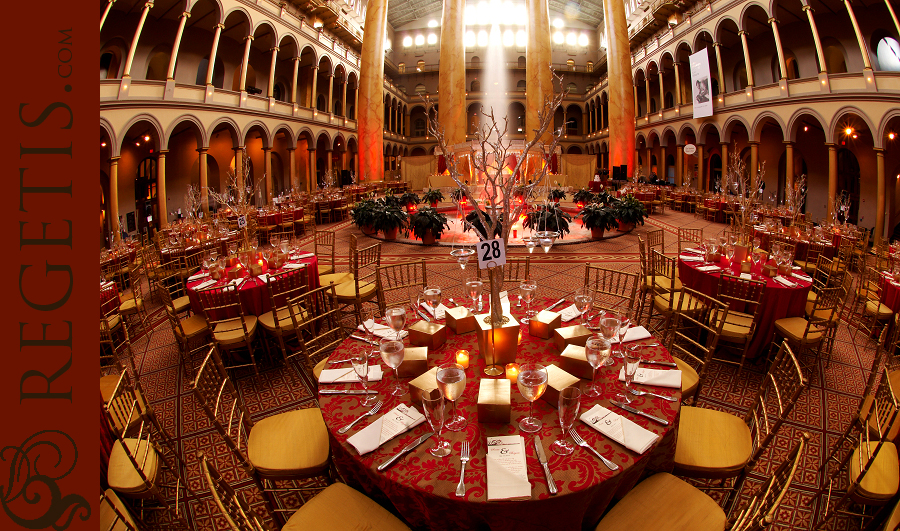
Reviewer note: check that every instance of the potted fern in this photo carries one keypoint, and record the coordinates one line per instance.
(598, 218)
(473, 221)
(433, 196)
(363, 215)
(583, 197)
(548, 217)
(556, 194)
(410, 200)
(427, 224)
(389, 218)
(629, 212)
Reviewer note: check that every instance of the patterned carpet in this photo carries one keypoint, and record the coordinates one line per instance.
(824, 409)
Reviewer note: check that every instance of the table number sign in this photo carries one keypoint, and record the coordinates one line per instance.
(491, 253)
(241, 222)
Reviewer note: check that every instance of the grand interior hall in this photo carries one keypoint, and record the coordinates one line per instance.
(499, 264)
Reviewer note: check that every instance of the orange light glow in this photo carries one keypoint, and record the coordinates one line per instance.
(848, 131)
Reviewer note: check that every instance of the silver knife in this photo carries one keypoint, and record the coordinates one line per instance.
(347, 392)
(557, 303)
(364, 340)
(666, 363)
(636, 411)
(409, 447)
(423, 316)
(543, 459)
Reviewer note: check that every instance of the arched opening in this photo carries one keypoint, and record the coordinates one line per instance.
(157, 66)
(848, 182)
(420, 89)
(574, 150)
(320, 103)
(475, 86)
(715, 171)
(521, 61)
(670, 100)
(835, 59)
(146, 196)
(250, 84)
(572, 88)
(109, 65)
(520, 86)
(218, 79)
(740, 76)
(570, 64)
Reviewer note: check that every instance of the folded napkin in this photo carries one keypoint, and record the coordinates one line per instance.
(440, 310)
(802, 276)
(504, 301)
(568, 313)
(264, 278)
(294, 266)
(760, 227)
(690, 258)
(106, 284)
(198, 276)
(619, 429)
(634, 333)
(692, 250)
(382, 331)
(206, 284)
(746, 276)
(785, 282)
(302, 256)
(344, 375)
(658, 377)
(709, 268)
(396, 421)
(507, 474)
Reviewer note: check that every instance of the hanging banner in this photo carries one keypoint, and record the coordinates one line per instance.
(701, 85)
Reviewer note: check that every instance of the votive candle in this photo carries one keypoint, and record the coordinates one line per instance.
(512, 372)
(462, 358)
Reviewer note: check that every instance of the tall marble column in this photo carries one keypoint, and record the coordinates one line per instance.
(832, 177)
(248, 40)
(204, 180)
(719, 68)
(723, 147)
(754, 160)
(239, 166)
(114, 197)
(129, 59)
(679, 165)
(212, 54)
(295, 183)
(270, 181)
(678, 99)
(313, 182)
(161, 189)
(170, 72)
(701, 175)
(788, 167)
(778, 48)
(879, 204)
(886, 2)
(294, 79)
(270, 90)
(538, 81)
(109, 4)
(621, 104)
(867, 62)
(315, 83)
(815, 32)
(371, 100)
(748, 66)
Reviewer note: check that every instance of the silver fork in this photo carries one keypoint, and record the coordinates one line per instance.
(463, 458)
(580, 442)
(648, 393)
(453, 301)
(368, 413)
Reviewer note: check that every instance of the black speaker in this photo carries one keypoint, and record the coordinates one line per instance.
(623, 171)
(345, 178)
(617, 173)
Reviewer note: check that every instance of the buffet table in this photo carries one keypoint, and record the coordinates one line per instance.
(422, 487)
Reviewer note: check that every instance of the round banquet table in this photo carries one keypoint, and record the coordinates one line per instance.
(890, 291)
(254, 294)
(275, 218)
(109, 298)
(422, 488)
(778, 301)
(801, 247)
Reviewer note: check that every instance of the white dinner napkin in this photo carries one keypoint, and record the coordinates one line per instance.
(302, 256)
(619, 429)
(709, 268)
(295, 266)
(746, 276)
(658, 377)
(507, 474)
(206, 284)
(440, 310)
(802, 276)
(382, 331)
(785, 282)
(264, 278)
(198, 276)
(634, 333)
(690, 258)
(343, 375)
(504, 301)
(568, 313)
(396, 421)
(692, 250)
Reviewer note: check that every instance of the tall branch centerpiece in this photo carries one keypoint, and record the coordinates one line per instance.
(238, 195)
(747, 188)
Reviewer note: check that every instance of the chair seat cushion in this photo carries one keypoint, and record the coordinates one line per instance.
(317, 370)
(880, 482)
(793, 329)
(711, 444)
(661, 302)
(341, 507)
(194, 326)
(335, 278)
(107, 386)
(689, 378)
(284, 319)
(111, 521)
(181, 304)
(663, 501)
(878, 309)
(122, 476)
(347, 290)
(231, 332)
(290, 444)
(736, 326)
(130, 306)
(325, 269)
(807, 266)
(664, 283)
(822, 313)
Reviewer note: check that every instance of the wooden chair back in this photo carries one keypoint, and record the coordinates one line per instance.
(516, 271)
(316, 321)
(742, 295)
(364, 263)
(694, 332)
(614, 290)
(283, 287)
(221, 306)
(656, 239)
(689, 238)
(394, 282)
(238, 515)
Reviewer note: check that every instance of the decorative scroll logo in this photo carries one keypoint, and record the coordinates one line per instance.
(31, 488)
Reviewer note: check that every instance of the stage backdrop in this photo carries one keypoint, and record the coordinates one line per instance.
(578, 169)
(415, 170)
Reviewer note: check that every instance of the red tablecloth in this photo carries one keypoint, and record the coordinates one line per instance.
(890, 292)
(717, 205)
(421, 487)
(275, 218)
(253, 293)
(109, 298)
(801, 247)
(778, 301)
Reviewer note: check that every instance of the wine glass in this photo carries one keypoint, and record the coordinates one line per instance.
(396, 319)
(528, 289)
(532, 382)
(584, 299)
(433, 298)
(435, 409)
(624, 324)
(451, 380)
(361, 366)
(632, 360)
(415, 300)
(275, 240)
(597, 351)
(392, 351)
(473, 288)
(568, 407)
(729, 252)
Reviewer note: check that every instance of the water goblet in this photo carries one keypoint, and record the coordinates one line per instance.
(361, 367)
(415, 301)
(433, 298)
(584, 299)
(532, 382)
(729, 252)
(392, 351)
(568, 408)
(396, 319)
(275, 240)
(632, 360)
(435, 408)
(528, 289)
(451, 380)
(473, 289)
(597, 351)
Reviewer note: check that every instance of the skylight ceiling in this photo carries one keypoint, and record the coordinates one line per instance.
(401, 12)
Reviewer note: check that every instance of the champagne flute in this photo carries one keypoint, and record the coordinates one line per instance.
(361, 367)
(597, 351)
(415, 301)
(396, 319)
(451, 380)
(532, 382)
(632, 360)
(729, 253)
(473, 288)
(528, 289)
(609, 329)
(624, 324)
(392, 351)
(433, 298)
(367, 319)
(584, 299)
(435, 408)
(568, 407)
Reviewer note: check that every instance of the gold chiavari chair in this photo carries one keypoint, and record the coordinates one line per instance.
(516, 271)
(317, 325)
(287, 221)
(308, 222)
(109, 308)
(364, 265)
(192, 328)
(665, 288)
(152, 266)
(144, 464)
(394, 282)
(614, 290)
(718, 445)
(871, 311)
(284, 447)
(336, 507)
(859, 250)
(744, 297)
(863, 459)
(810, 332)
(656, 239)
(808, 260)
(695, 330)
(324, 248)
(231, 328)
(131, 306)
(689, 238)
(114, 514)
(175, 292)
(282, 288)
(663, 502)
(325, 211)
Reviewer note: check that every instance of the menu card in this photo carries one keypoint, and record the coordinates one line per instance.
(343, 375)
(619, 429)
(295, 266)
(382, 331)
(439, 313)
(507, 475)
(568, 313)
(746, 276)
(635, 333)
(396, 421)
(693, 250)
(660, 377)
(802, 276)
